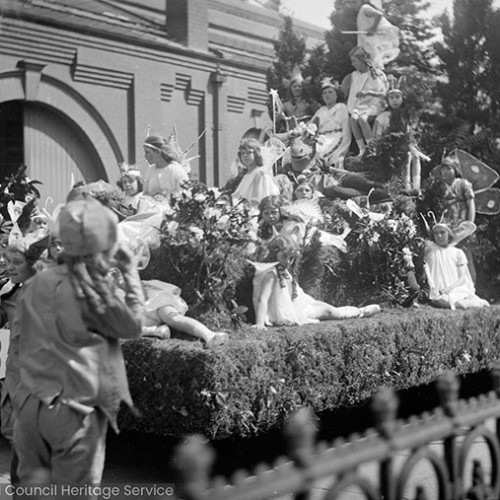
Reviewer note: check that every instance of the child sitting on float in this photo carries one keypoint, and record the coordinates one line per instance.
(393, 120)
(279, 300)
(451, 285)
(366, 88)
(270, 217)
(131, 183)
(168, 169)
(257, 181)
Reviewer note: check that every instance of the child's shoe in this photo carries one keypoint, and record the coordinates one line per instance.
(370, 310)
(218, 339)
(160, 332)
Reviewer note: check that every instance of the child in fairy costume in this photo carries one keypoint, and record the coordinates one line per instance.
(450, 281)
(165, 308)
(393, 119)
(366, 88)
(131, 183)
(278, 298)
(167, 171)
(257, 181)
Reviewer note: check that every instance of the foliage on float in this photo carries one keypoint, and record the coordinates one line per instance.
(203, 243)
(250, 385)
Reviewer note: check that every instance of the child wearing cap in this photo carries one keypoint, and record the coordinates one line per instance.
(70, 320)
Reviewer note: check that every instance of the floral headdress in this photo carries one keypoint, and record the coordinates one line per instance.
(127, 170)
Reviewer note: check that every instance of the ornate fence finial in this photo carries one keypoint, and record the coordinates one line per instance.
(385, 407)
(192, 463)
(300, 434)
(495, 373)
(448, 387)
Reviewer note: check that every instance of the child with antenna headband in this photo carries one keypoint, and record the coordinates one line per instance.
(451, 285)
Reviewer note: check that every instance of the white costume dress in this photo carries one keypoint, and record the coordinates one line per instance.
(368, 105)
(256, 185)
(383, 45)
(442, 265)
(160, 294)
(281, 308)
(164, 181)
(334, 125)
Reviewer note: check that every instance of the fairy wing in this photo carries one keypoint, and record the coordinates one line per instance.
(306, 210)
(480, 175)
(488, 201)
(464, 229)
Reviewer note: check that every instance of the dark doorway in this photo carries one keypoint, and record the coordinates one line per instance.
(11, 138)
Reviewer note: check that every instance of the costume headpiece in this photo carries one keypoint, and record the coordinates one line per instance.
(451, 161)
(456, 235)
(173, 149)
(295, 77)
(329, 82)
(395, 84)
(87, 227)
(127, 170)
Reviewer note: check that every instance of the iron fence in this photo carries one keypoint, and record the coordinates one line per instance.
(441, 439)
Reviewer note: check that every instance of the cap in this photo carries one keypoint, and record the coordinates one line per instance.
(87, 227)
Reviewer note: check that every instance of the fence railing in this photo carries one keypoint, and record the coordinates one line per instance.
(381, 463)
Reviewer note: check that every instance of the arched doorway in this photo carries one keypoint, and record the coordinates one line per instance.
(55, 150)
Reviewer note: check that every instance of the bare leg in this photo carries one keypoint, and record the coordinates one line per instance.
(323, 311)
(366, 129)
(416, 169)
(406, 174)
(358, 135)
(191, 326)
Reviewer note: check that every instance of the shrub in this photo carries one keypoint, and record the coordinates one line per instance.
(250, 385)
(204, 241)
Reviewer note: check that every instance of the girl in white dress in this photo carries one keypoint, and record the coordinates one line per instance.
(166, 172)
(257, 182)
(450, 282)
(376, 34)
(333, 124)
(366, 88)
(278, 298)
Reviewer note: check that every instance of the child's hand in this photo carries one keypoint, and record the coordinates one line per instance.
(125, 259)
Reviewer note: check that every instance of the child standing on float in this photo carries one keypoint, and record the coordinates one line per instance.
(278, 298)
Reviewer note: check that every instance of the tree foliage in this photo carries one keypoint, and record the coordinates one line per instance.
(290, 50)
(466, 61)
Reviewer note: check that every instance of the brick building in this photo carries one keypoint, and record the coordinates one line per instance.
(81, 81)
